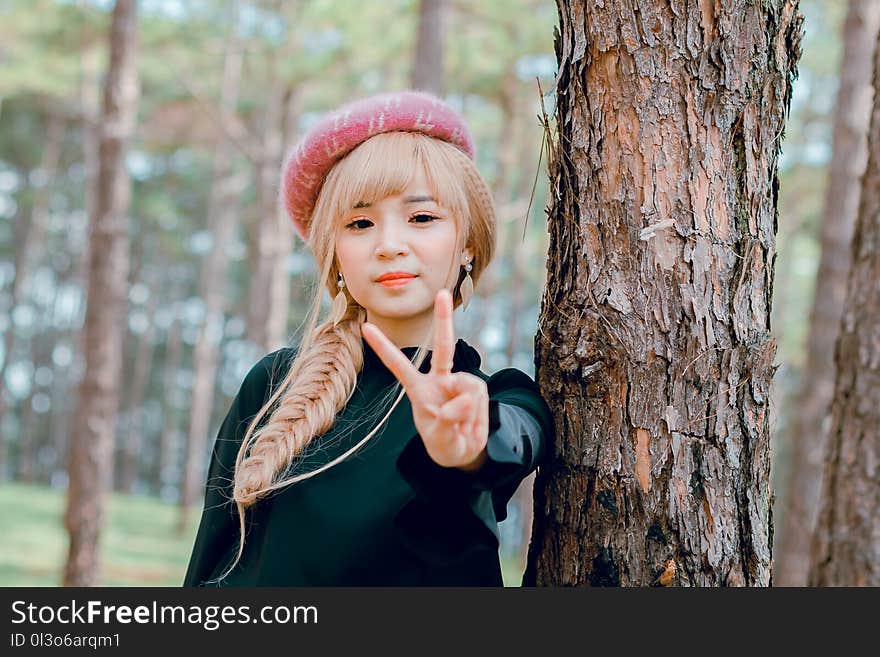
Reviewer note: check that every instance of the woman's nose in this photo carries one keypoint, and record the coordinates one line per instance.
(391, 240)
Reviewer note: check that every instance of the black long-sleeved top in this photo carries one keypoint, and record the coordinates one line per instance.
(386, 516)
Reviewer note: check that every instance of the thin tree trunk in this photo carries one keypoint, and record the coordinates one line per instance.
(169, 411)
(64, 400)
(279, 307)
(91, 452)
(133, 438)
(280, 120)
(129, 364)
(654, 344)
(30, 232)
(64, 396)
(427, 70)
(59, 421)
(66, 378)
(281, 284)
(853, 111)
(27, 454)
(226, 186)
(31, 433)
(846, 548)
(271, 233)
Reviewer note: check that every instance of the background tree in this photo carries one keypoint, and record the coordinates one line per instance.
(427, 70)
(846, 548)
(226, 187)
(654, 344)
(91, 452)
(807, 431)
(30, 231)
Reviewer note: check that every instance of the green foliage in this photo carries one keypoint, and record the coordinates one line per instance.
(41, 43)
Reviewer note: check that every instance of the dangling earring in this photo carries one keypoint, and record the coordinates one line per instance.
(467, 286)
(340, 303)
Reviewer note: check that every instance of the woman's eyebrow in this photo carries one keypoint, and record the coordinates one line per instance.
(408, 199)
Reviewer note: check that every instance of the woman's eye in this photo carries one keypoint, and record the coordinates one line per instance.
(361, 224)
(354, 225)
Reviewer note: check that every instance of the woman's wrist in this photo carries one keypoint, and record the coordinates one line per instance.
(477, 463)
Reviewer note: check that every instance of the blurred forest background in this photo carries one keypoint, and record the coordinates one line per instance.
(216, 278)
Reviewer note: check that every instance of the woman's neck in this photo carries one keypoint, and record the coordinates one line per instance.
(409, 332)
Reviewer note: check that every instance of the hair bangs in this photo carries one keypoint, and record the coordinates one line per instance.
(385, 164)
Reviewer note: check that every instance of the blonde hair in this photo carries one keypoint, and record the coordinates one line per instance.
(323, 372)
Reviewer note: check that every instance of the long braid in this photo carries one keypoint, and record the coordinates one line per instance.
(321, 385)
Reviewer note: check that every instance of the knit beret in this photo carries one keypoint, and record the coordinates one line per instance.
(342, 130)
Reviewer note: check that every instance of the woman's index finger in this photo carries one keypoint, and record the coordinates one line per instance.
(389, 353)
(444, 333)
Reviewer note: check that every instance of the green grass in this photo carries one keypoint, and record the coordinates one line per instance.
(139, 544)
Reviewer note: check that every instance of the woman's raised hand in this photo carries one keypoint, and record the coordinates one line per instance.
(450, 410)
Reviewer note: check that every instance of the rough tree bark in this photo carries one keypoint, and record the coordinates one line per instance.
(807, 434)
(91, 443)
(654, 346)
(846, 548)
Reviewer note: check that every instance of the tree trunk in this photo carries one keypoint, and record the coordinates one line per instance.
(654, 344)
(427, 70)
(30, 231)
(136, 257)
(64, 398)
(807, 437)
(846, 548)
(27, 441)
(133, 438)
(91, 450)
(226, 186)
(270, 232)
(31, 427)
(169, 408)
(280, 122)
(67, 378)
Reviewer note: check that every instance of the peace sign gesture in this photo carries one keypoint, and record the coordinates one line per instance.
(450, 410)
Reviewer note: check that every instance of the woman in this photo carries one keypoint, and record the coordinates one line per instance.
(314, 479)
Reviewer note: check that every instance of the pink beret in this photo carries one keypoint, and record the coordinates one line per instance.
(340, 131)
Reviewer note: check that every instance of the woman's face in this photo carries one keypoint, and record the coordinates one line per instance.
(410, 233)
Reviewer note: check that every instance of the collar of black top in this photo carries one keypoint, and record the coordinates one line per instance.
(465, 358)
